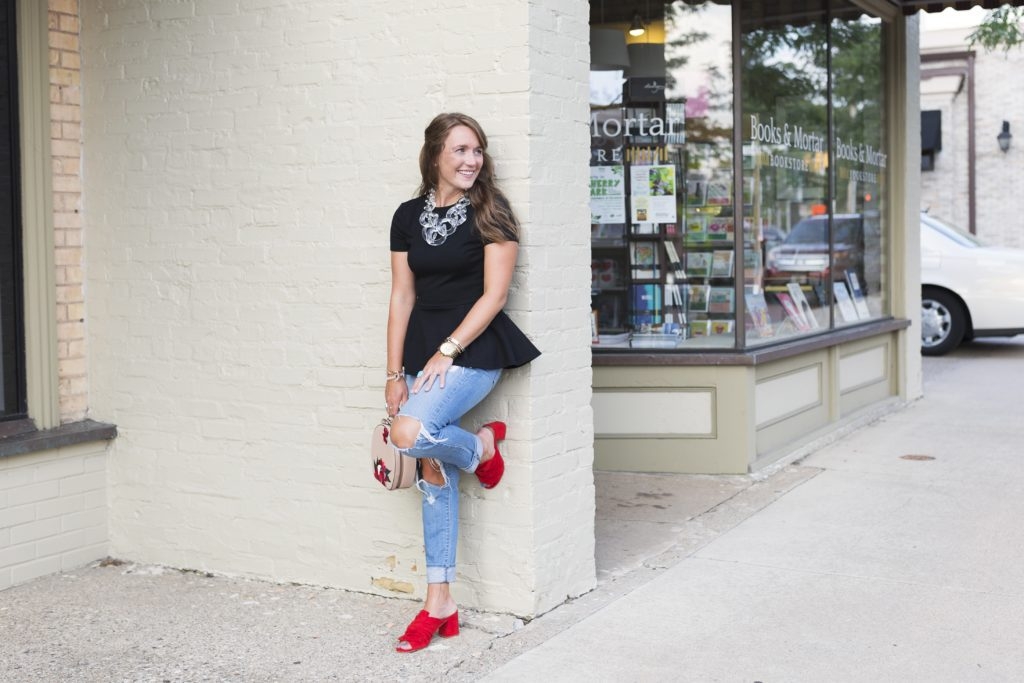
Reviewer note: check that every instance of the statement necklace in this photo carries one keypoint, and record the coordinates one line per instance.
(435, 231)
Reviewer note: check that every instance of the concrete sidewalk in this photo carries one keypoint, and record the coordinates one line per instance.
(902, 560)
(858, 564)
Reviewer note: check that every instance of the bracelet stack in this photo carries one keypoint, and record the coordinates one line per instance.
(451, 348)
(396, 375)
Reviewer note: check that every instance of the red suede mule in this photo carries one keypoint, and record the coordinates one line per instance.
(489, 473)
(422, 629)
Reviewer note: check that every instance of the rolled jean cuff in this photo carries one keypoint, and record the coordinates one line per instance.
(440, 574)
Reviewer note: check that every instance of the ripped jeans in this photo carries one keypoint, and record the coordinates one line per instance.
(441, 438)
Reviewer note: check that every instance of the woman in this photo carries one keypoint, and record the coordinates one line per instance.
(453, 250)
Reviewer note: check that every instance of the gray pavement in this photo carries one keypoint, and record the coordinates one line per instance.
(857, 564)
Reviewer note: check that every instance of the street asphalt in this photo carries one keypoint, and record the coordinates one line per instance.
(895, 553)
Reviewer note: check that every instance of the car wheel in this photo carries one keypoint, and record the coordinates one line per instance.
(943, 322)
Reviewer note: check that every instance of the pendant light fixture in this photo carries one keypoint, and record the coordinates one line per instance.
(637, 28)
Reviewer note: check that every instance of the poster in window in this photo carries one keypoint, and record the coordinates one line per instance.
(722, 263)
(720, 228)
(793, 312)
(696, 228)
(720, 300)
(844, 303)
(607, 194)
(698, 263)
(859, 302)
(797, 294)
(719, 193)
(654, 193)
(757, 309)
(698, 297)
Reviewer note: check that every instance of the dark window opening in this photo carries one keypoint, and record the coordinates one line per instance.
(12, 353)
(931, 138)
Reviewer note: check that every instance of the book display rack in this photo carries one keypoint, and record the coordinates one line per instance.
(663, 240)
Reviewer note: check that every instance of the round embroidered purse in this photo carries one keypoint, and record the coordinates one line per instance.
(391, 468)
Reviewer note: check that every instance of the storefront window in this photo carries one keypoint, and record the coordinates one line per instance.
(688, 255)
(664, 247)
(817, 171)
(861, 162)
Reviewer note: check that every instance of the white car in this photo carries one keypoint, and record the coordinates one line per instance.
(968, 289)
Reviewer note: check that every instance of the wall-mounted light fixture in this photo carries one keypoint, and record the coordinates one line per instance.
(1004, 137)
(637, 28)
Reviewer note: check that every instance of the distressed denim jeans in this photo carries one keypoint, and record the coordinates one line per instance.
(441, 438)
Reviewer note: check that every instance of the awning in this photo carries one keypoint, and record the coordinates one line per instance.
(912, 6)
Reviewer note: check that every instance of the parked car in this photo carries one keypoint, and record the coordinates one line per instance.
(803, 255)
(968, 289)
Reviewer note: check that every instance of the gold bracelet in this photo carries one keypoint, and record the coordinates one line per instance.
(455, 341)
(396, 375)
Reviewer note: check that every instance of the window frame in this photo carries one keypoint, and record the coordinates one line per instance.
(834, 333)
(38, 275)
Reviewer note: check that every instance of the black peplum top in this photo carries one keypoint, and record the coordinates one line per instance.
(449, 279)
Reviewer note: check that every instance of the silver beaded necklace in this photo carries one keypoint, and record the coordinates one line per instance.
(435, 231)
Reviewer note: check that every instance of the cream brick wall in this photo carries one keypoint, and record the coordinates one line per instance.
(242, 165)
(999, 202)
(66, 151)
(53, 511)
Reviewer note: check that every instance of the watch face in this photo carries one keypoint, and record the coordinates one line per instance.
(448, 349)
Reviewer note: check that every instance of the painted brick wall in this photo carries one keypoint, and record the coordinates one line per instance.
(999, 204)
(66, 150)
(53, 512)
(243, 163)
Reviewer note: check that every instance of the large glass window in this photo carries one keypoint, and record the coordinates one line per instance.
(814, 154)
(694, 248)
(12, 392)
(664, 258)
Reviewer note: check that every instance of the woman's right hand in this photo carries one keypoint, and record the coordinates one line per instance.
(396, 393)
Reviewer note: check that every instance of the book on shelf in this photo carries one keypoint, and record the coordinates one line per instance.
(698, 297)
(698, 264)
(643, 259)
(674, 261)
(757, 309)
(696, 228)
(674, 297)
(720, 229)
(721, 300)
(700, 328)
(721, 326)
(722, 263)
(695, 192)
(857, 292)
(751, 264)
(844, 303)
(605, 274)
(647, 305)
(797, 293)
(718, 193)
(793, 312)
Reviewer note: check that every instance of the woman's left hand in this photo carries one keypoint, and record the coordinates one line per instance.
(435, 369)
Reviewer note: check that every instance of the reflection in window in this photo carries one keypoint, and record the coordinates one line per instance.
(815, 260)
(860, 158)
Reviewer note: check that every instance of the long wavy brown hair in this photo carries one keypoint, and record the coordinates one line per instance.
(495, 220)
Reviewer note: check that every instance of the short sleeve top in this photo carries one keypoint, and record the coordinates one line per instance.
(449, 279)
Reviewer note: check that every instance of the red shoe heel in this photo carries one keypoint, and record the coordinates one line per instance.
(422, 629)
(450, 627)
(489, 473)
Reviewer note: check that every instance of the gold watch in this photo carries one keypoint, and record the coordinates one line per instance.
(450, 348)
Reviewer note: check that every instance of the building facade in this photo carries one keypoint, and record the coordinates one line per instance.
(200, 257)
(967, 178)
